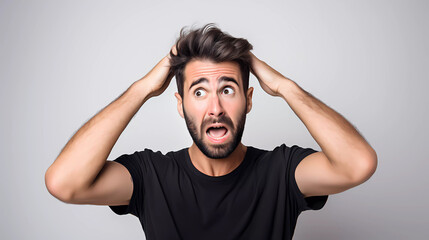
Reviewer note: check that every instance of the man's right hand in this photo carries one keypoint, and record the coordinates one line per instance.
(158, 79)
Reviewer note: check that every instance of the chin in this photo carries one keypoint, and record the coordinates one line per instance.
(217, 151)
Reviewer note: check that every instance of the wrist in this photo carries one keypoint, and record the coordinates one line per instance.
(140, 89)
(287, 88)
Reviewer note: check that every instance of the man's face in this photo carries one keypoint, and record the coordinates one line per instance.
(214, 106)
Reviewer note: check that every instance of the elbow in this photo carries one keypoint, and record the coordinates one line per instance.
(56, 189)
(372, 162)
(366, 167)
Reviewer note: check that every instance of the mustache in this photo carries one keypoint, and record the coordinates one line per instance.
(222, 119)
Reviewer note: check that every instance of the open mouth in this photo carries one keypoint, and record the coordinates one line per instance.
(217, 134)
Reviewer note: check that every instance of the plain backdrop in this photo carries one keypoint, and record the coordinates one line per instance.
(63, 61)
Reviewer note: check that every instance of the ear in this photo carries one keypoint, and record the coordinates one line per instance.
(179, 104)
(249, 96)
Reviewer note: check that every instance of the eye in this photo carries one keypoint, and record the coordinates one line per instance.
(228, 90)
(200, 93)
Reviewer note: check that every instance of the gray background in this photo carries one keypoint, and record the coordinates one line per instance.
(63, 61)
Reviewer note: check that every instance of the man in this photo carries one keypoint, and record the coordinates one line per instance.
(217, 188)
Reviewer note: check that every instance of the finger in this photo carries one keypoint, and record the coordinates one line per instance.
(254, 64)
(174, 49)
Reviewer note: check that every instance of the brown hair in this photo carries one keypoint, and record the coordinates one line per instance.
(209, 42)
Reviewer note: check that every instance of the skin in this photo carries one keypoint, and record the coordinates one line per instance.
(81, 174)
(208, 101)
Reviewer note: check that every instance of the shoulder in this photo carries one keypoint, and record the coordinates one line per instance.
(149, 158)
(284, 152)
(151, 154)
(293, 151)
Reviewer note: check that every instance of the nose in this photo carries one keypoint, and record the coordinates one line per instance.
(215, 107)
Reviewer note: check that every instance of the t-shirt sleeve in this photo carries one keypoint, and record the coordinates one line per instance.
(296, 154)
(135, 166)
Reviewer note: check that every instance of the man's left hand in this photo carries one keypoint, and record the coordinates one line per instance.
(269, 79)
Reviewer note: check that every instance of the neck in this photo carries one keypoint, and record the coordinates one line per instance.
(217, 167)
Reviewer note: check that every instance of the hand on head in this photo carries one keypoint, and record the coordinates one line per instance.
(158, 79)
(269, 79)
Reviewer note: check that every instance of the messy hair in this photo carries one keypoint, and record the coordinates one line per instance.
(209, 43)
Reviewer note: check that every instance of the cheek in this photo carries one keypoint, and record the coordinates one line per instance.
(235, 108)
(196, 110)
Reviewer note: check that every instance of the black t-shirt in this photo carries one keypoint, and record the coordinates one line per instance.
(258, 200)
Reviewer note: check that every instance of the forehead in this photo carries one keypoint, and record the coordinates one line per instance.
(196, 69)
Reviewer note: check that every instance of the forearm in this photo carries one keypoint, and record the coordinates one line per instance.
(346, 149)
(85, 154)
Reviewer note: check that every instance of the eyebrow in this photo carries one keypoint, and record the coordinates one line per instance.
(221, 79)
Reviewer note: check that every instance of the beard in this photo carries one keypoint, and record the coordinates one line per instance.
(217, 151)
